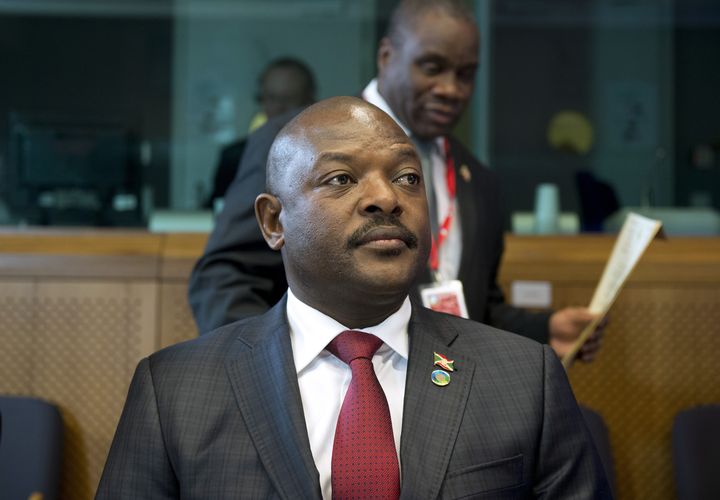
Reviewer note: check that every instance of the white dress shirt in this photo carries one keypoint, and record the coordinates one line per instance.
(324, 379)
(451, 249)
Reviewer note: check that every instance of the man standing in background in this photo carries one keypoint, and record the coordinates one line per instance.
(426, 74)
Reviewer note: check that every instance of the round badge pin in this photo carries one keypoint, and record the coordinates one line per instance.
(440, 378)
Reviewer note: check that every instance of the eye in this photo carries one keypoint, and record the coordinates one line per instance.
(410, 179)
(340, 180)
(430, 68)
(467, 74)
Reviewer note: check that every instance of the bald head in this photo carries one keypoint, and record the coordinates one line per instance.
(346, 207)
(294, 145)
(404, 18)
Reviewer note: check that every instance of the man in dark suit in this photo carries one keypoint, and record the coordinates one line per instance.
(284, 84)
(261, 408)
(426, 71)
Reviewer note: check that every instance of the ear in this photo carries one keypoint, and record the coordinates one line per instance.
(267, 212)
(383, 55)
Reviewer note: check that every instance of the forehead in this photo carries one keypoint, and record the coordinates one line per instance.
(354, 126)
(435, 31)
(361, 135)
(282, 77)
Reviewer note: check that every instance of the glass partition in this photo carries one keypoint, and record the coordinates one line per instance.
(612, 102)
(113, 111)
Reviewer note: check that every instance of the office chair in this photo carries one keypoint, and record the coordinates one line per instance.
(30, 448)
(696, 453)
(599, 432)
(597, 201)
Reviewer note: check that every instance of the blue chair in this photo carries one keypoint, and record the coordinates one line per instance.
(696, 453)
(601, 437)
(31, 433)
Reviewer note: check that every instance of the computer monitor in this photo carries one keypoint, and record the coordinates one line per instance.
(68, 172)
(71, 156)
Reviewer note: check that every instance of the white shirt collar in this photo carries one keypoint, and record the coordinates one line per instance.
(311, 331)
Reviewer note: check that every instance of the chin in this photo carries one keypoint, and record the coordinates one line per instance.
(395, 281)
(430, 133)
(390, 272)
(397, 289)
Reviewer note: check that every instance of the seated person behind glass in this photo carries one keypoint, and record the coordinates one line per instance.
(284, 84)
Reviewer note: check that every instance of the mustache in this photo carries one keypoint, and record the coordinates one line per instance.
(383, 221)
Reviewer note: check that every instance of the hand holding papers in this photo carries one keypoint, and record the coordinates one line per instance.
(636, 234)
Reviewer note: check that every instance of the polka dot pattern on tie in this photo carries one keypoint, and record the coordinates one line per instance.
(364, 459)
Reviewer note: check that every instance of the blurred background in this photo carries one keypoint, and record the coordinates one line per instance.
(110, 110)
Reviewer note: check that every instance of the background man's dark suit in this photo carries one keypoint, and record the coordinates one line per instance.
(226, 169)
(239, 276)
(221, 417)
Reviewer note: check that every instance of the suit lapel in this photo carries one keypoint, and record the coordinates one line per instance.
(265, 384)
(431, 414)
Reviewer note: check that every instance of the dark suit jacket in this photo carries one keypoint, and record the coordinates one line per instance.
(239, 276)
(226, 169)
(221, 417)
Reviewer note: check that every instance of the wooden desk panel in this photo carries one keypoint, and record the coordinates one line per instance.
(78, 309)
(76, 343)
(660, 350)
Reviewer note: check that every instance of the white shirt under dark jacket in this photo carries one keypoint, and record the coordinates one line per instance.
(324, 379)
(451, 250)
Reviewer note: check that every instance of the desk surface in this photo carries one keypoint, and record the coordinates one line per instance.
(687, 259)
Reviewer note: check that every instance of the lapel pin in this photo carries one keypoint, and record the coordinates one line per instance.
(443, 362)
(440, 378)
(465, 173)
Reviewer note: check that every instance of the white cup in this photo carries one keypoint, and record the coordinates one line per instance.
(547, 209)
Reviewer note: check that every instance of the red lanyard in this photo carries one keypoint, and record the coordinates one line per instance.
(438, 241)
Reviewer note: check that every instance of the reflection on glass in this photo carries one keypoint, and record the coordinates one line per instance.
(110, 111)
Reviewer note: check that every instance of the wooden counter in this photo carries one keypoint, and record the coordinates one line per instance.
(79, 308)
(661, 348)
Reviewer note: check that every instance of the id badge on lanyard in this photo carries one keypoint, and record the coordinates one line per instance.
(444, 295)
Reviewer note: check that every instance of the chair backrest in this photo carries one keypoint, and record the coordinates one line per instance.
(30, 448)
(599, 432)
(696, 453)
(597, 201)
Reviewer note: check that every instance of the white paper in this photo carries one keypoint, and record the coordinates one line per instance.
(636, 234)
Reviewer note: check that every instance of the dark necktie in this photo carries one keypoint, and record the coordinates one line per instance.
(364, 459)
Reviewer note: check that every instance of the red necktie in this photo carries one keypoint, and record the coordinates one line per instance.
(364, 460)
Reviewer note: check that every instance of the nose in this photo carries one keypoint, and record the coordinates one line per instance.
(449, 86)
(379, 196)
